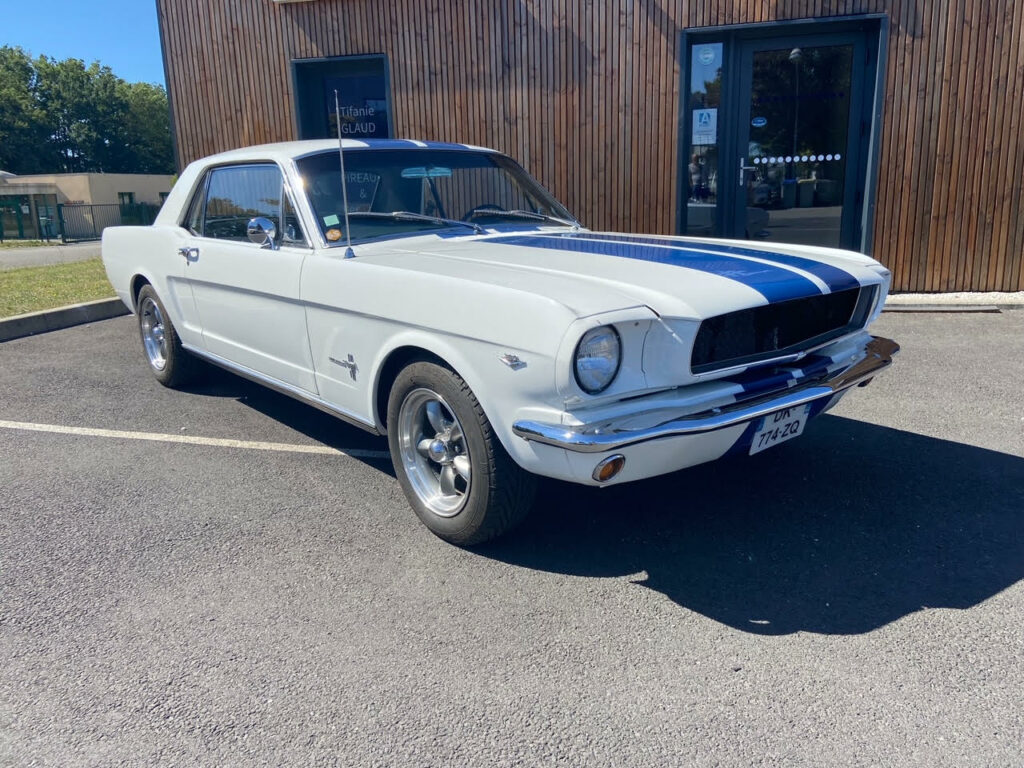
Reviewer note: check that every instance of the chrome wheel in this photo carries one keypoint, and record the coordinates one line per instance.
(458, 478)
(434, 452)
(154, 340)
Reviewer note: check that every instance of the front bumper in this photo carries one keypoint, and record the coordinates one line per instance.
(618, 434)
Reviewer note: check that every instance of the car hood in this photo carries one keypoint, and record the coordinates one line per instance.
(595, 272)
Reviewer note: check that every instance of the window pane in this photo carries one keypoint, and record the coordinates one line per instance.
(702, 159)
(239, 194)
(800, 115)
(363, 96)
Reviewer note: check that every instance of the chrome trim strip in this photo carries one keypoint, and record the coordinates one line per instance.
(284, 389)
(601, 437)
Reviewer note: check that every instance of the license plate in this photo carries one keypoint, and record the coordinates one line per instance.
(779, 427)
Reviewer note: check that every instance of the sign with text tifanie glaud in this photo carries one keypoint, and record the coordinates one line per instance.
(364, 96)
(363, 106)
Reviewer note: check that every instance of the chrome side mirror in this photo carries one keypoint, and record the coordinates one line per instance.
(262, 231)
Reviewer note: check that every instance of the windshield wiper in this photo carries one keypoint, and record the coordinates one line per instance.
(410, 216)
(521, 214)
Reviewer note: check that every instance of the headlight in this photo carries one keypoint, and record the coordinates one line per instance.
(598, 356)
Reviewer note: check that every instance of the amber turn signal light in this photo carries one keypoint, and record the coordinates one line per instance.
(608, 468)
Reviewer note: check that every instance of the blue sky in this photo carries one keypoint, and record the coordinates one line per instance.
(121, 34)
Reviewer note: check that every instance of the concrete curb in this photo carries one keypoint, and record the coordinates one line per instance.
(62, 317)
(943, 308)
(957, 301)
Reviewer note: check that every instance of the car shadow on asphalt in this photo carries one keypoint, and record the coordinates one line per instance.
(843, 531)
(302, 418)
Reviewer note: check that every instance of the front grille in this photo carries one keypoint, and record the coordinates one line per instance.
(776, 330)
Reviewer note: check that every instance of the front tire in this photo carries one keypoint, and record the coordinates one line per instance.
(456, 474)
(170, 363)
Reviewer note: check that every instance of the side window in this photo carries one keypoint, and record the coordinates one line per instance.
(239, 193)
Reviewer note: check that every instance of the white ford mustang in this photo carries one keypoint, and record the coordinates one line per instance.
(442, 297)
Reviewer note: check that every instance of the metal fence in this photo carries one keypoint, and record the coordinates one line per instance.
(87, 222)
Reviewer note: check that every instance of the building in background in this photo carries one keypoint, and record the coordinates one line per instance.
(892, 127)
(75, 206)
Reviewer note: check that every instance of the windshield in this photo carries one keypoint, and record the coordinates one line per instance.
(405, 191)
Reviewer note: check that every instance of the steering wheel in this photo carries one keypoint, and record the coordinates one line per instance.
(482, 208)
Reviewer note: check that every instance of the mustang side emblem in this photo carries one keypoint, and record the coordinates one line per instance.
(350, 364)
(512, 361)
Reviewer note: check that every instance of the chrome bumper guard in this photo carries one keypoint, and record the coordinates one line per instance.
(606, 436)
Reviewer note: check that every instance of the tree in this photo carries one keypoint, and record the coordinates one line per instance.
(23, 129)
(148, 132)
(61, 116)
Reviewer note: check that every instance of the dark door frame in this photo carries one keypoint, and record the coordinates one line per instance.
(862, 173)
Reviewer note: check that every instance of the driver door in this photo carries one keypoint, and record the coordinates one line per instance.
(247, 294)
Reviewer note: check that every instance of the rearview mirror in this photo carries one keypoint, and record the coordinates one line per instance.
(419, 172)
(262, 231)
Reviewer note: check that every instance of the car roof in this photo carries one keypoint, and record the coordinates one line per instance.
(294, 149)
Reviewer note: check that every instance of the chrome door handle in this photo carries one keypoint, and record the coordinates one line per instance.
(743, 169)
(190, 254)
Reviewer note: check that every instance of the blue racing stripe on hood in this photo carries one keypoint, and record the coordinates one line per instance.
(835, 278)
(775, 283)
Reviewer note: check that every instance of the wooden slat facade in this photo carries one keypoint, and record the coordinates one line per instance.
(585, 93)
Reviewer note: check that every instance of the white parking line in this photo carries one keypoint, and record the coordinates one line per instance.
(255, 445)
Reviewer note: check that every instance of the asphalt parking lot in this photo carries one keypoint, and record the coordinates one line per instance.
(853, 597)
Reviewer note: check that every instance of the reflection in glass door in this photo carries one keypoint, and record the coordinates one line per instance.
(706, 67)
(793, 164)
(778, 133)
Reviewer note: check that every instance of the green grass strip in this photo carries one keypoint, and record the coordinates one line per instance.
(31, 289)
(7, 244)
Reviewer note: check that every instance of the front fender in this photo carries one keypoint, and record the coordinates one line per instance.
(502, 391)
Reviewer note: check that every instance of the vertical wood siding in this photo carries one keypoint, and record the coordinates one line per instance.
(585, 93)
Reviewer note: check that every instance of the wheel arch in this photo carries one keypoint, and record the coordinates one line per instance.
(140, 278)
(135, 285)
(408, 347)
(396, 360)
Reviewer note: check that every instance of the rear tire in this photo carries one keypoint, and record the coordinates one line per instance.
(457, 476)
(170, 362)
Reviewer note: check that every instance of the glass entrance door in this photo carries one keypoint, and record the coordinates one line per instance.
(777, 133)
(795, 127)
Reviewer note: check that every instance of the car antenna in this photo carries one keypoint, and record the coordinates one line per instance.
(349, 253)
